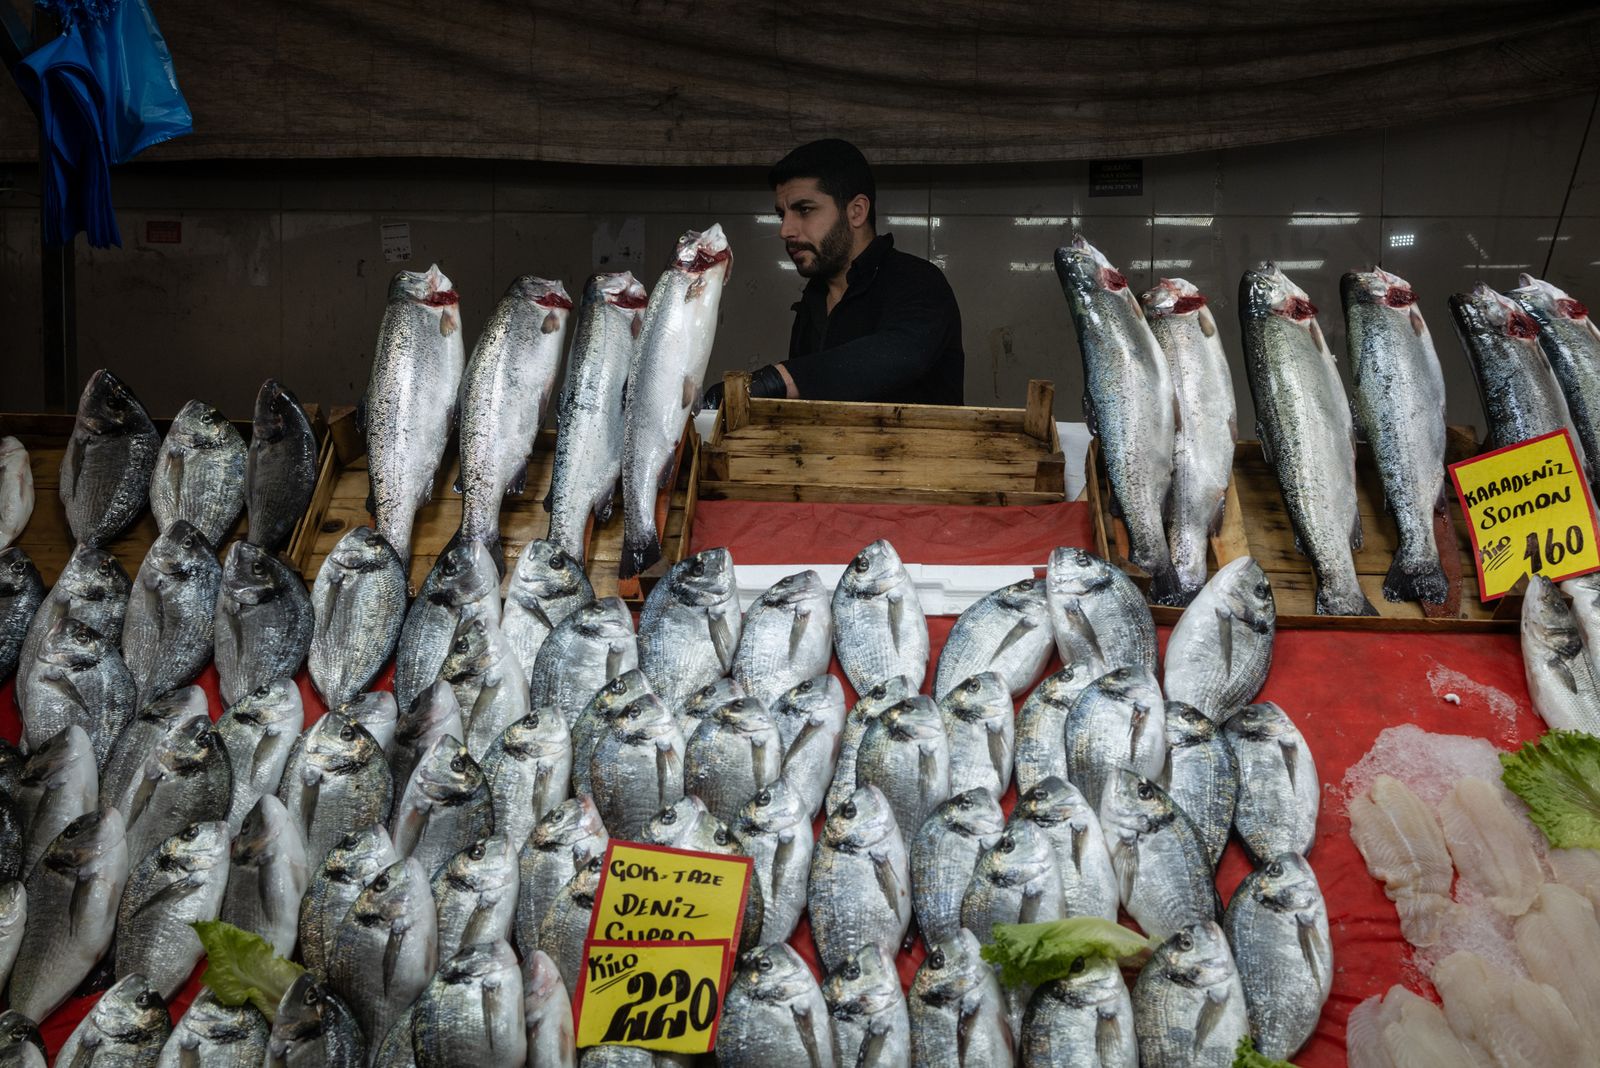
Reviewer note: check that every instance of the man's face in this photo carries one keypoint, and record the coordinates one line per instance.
(815, 232)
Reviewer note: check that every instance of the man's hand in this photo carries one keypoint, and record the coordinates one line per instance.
(768, 381)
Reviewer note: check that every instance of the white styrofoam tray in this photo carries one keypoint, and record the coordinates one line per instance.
(943, 589)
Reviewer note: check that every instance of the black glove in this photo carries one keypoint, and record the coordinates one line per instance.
(764, 382)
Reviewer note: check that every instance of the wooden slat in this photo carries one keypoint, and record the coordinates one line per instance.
(1038, 417)
(906, 443)
(713, 490)
(736, 400)
(892, 416)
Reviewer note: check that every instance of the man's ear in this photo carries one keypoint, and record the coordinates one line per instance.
(856, 211)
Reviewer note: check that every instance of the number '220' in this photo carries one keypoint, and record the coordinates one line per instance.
(635, 1022)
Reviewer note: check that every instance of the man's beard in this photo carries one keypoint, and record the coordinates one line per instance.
(833, 256)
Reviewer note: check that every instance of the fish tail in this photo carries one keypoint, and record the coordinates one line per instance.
(1416, 580)
(1352, 602)
(1166, 587)
(638, 556)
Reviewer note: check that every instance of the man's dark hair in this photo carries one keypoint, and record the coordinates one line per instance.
(838, 166)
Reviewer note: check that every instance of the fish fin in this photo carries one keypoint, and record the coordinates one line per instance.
(1080, 838)
(1558, 667)
(549, 497)
(1208, 324)
(372, 502)
(1021, 629)
(1213, 1007)
(1266, 446)
(691, 396)
(1225, 639)
(604, 503)
(797, 632)
(1085, 629)
(391, 956)
(722, 639)
(997, 752)
(1127, 872)
(1108, 1041)
(1088, 414)
(668, 768)
(1355, 532)
(1166, 588)
(808, 1035)
(1312, 948)
(1214, 527)
(457, 484)
(497, 552)
(807, 731)
(1031, 911)
(1410, 583)
(888, 882)
(361, 415)
(519, 480)
(780, 859)
(1418, 327)
(1291, 759)
(897, 612)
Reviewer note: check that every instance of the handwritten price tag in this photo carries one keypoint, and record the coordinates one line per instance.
(1529, 512)
(657, 894)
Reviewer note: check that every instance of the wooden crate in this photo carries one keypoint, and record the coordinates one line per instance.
(829, 451)
(340, 503)
(47, 539)
(1256, 522)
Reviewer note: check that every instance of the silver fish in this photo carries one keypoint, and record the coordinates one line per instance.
(264, 621)
(487, 678)
(1205, 429)
(871, 1025)
(259, 731)
(880, 630)
(860, 885)
(1129, 400)
(688, 825)
(1163, 870)
(906, 754)
(869, 707)
(13, 922)
(958, 1014)
(980, 721)
(1572, 343)
(280, 467)
(1017, 880)
(1277, 926)
(689, 626)
(547, 1013)
(1099, 617)
(72, 909)
(386, 949)
(774, 1014)
(609, 700)
(607, 1055)
(1219, 652)
(199, 473)
(410, 405)
(1278, 788)
(505, 393)
(1119, 721)
(211, 1033)
(376, 711)
(58, 785)
(944, 855)
(1561, 677)
(529, 768)
(563, 842)
(463, 584)
(1064, 817)
(21, 1045)
(444, 807)
(350, 865)
(314, 1029)
(187, 779)
(434, 714)
(154, 724)
(563, 928)
(587, 649)
(703, 702)
(787, 637)
(1202, 775)
(21, 593)
(590, 413)
(475, 895)
(93, 589)
(1041, 750)
(472, 1013)
(181, 882)
(638, 766)
(396, 1051)
(359, 603)
(664, 379)
(1307, 436)
(105, 469)
(811, 722)
(335, 779)
(774, 828)
(16, 490)
(267, 876)
(1400, 407)
(735, 753)
(1007, 632)
(545, 587)
(1084, 1019)
(1188, 1005)
(172, 612)
(78, 679)
(127, 1026)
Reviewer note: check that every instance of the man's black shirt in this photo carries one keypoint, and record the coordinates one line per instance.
(895, 335)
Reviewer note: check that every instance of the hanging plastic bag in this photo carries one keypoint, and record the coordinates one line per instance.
(143, 104)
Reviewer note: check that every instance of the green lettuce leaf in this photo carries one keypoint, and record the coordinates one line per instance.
(1247, 1057)
(1559, 778)
(1035, 953)
(240, 967)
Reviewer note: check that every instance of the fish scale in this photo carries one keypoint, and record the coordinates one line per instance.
(350, 865)
(267, 876)
(180, 883)
(386, 949)
(689, 627)
(1085, 1018)
(638, 766)
(958, 1013)
(529, 768)
(127, 1026)
(871, 1025)
(1098, 615)
(944, 854)
(1007, 632)
(774, 828)
(16, 490)
(787, 637)
(1571, 341)
(774, 1013)
(217, 1035)
(546, 586)
(471, 1012)
(1188, 1004)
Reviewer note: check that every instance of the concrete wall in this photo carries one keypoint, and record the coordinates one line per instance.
(280, 268)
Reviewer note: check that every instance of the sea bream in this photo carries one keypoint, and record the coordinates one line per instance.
(1128, 401)
(263, 623)
(172, 612)
(411, 399)
(1399, 405)
(22, 591)
(105, 469)
(280, 468)
(589, 412)
(1307, 436)
(1207, 424)
(199, 473)
(1572, 342)
(16, 490)
(505, 393)
(669, 364)
(92, 588)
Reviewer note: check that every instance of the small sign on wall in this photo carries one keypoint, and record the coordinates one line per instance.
(396, 237)
(163, 232)
(1116, 177)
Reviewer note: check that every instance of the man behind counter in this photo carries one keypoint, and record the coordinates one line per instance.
(874, 323)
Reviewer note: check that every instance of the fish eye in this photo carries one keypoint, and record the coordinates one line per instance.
(1006, 844)
(348, 732)
(147, 999)
(1263, 588)
(261, 691)
(848, 810)
(616, 685)
(80, 633)
(1146, 791)
(558, 561)
(381, 883)
(764, 797)
(458, 763)
(852, 970)
(972, 685)
(462, 644)
(191, 832)
(1077, 965)
(763, 964)
(476, 851)
(861, 562)
(1275, 869)
(668, 815)
(1185, 941)
(879, 692)
(311, 997)
(721, 837)
(936, 959)
(698, 568)
(73, 830)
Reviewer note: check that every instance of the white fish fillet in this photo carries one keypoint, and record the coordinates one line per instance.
(1404, 1030)
(1490, 846)
(1560, 944)
(1363, 1034)
(1400, 840)
(1521, 1023)
(1580, 869)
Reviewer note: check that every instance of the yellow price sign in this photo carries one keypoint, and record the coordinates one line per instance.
(1529, 512)
(661, 995)
(658, 894)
